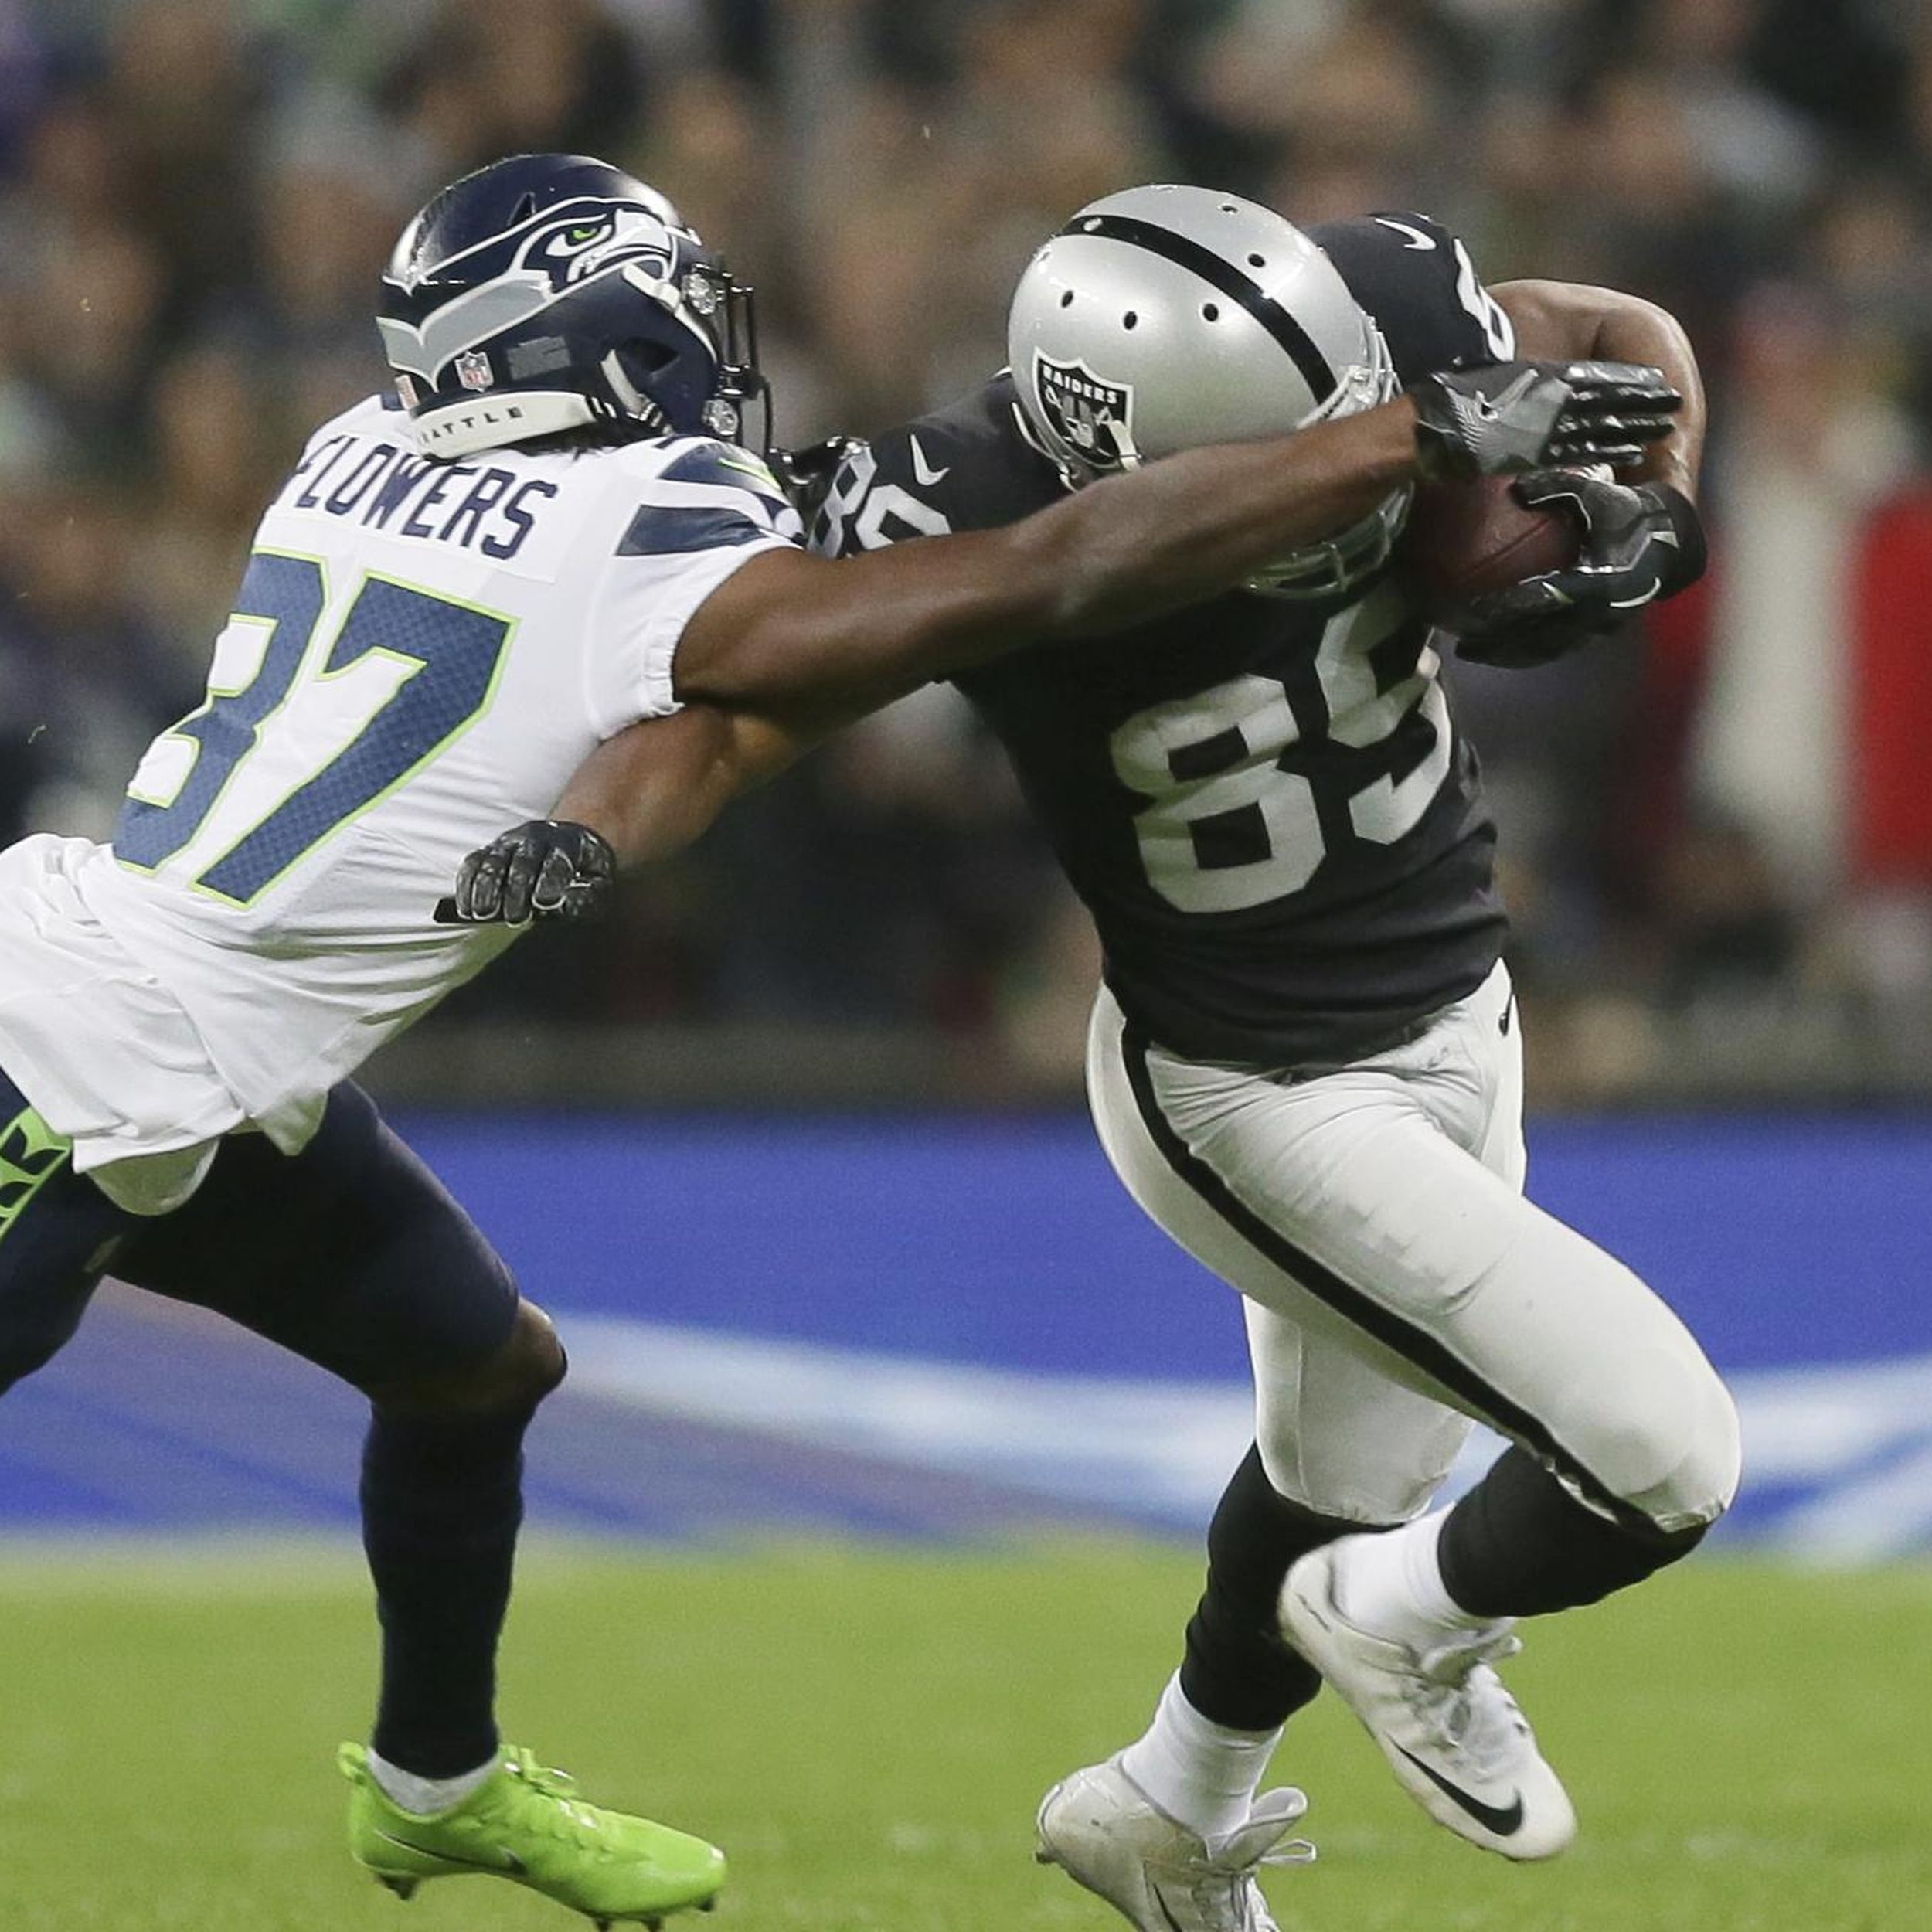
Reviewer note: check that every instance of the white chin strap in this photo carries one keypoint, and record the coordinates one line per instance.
(489, 422)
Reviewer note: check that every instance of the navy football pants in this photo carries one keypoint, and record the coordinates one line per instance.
(351, 1254)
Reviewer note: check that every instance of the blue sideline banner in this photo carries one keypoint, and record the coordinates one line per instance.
(960, 1326)
(1008, 1241)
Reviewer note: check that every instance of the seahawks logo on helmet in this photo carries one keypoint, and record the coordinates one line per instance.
(1094, 416)
(595, 236)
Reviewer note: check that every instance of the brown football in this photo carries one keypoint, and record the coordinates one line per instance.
(1465, 539)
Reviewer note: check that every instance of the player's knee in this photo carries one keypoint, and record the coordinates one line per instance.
(1666, 1441)
(1699, 1487)
(528, 1367)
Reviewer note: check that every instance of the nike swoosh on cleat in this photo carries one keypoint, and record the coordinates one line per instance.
(923, 471)
(1503, 1819)
(507, 1862)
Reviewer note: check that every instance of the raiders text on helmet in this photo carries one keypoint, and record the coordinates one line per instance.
(1162, 318)
(553, 292)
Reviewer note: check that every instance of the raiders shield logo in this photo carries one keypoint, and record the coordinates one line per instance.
(473, 369)
(1094, 416)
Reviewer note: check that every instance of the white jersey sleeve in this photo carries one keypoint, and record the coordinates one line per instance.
(421, 654)
(696, 520)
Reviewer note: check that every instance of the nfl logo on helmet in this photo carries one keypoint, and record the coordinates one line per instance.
(473, 369)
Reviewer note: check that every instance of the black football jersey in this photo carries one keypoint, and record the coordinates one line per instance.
(1262, 801)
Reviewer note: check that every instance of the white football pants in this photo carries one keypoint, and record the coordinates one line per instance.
(1398, 1283)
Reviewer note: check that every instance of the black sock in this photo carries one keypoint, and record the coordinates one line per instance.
(1519, 1544)
(442, 1499)
(1237, 1671)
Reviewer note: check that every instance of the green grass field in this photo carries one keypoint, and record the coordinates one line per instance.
(867, 1734)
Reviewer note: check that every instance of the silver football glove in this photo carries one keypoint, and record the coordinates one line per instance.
(1506, 417)
(1639, 543)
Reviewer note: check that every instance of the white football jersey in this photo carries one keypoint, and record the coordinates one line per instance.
(421, 655)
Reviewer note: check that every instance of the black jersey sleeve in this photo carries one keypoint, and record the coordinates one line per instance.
(963, 468)
(885, 490)
(1416, 280)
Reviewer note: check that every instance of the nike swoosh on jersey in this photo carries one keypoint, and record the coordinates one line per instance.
(1503, 1819)
(1417, 239)
(507, 1862)
(922, 472)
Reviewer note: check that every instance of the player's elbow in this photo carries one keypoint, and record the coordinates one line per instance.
(741, 668)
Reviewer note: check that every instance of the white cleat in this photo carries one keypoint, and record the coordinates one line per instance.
(1452, 1734)
(1104, 1833)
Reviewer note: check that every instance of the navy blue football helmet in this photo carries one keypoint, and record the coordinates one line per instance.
(553, 292)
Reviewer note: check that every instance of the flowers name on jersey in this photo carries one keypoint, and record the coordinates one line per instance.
(1095, 416)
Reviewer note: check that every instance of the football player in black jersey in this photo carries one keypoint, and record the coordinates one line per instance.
(1303, 1061)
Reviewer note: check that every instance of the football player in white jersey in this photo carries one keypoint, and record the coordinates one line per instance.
(1304, 1062)
(548, 534)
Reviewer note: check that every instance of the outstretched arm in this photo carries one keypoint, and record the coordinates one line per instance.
(819, 642)
(792, 646)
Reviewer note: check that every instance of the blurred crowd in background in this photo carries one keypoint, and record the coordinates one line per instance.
(1718, 831)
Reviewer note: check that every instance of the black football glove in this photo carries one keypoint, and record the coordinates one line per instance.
(1530, 641)
(806, 474)
(1506, 417)
(549, 869)
(1639, 543)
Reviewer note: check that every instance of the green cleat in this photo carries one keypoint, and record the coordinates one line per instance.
(526, 1823)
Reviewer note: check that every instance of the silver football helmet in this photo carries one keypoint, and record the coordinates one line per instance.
(1162, 318)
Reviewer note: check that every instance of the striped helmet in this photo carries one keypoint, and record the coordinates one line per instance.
(547, 293)
(1162, 318)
